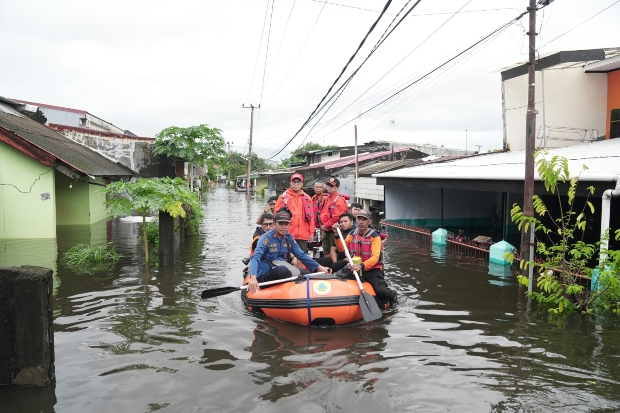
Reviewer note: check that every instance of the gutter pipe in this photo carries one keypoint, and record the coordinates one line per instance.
(605, 215)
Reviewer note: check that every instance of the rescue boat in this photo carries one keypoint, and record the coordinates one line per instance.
(323, 299)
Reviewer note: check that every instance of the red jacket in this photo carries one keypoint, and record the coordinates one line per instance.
(334, 206)
(300, 227)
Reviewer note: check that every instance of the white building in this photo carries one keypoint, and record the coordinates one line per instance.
(576, 94)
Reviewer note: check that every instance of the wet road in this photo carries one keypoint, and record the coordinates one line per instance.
(460, 340)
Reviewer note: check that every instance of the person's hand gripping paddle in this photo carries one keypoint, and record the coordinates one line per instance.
(368, 305)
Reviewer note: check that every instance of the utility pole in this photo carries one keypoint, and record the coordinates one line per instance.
(466, 142)
(357, 171)
(247, 181)
(228, 143)
(527, 237)
(479, 146)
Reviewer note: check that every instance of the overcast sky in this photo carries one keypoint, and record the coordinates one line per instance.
(147, 65)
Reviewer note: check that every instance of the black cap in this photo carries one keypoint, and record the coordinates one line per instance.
(282, 216)
(333, 181)
(364, 213)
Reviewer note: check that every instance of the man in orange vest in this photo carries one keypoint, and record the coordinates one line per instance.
(334, 206)
(365, 242)
(300, 204)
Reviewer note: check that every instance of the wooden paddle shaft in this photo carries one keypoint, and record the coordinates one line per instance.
(283, 280)
(346, 252)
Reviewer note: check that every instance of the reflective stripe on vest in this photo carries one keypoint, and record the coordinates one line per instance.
(333, 206)
(318, 207)
(306, 201)
(362, 247)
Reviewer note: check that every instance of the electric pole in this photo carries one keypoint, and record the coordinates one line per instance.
(357, 171)
(247, 182)
(466, 142)
(228, 143)
(479, 146)
(527, 237)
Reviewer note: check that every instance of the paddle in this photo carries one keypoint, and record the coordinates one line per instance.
(216, 292)
(368, 305)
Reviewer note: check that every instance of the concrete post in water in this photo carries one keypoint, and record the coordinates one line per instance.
(166, 239)
(497, 251)
(26, 326)
(439, 236)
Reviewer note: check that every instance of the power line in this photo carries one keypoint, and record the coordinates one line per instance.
(435, 69)
(568, 31)
(281, 39)
(266, 51)
(258, 52)
(394, 67)
(298, 54)
(343, 87)
(387, 4)
(414, 15)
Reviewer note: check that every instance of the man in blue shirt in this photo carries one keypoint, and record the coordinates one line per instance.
(277, 245)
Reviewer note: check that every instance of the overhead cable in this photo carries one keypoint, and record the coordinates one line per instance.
(387, 4)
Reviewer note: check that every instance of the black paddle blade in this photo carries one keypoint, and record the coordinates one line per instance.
(369, 307)
(216, 292)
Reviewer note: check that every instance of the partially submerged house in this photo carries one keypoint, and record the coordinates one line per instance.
(476, 193)
(46, 179)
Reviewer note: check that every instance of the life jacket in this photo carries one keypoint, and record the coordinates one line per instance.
(317, 205)
(332, 206)
(362, 247)
(306, 201)
(253, 244)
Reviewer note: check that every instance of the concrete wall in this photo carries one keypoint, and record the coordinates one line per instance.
(367, 188)
(573, 99)
(25, 215)
(135, 154)
(613, 96)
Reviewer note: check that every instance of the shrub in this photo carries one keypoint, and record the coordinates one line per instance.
(88, 259)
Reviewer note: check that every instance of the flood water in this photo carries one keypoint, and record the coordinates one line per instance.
(461, 339)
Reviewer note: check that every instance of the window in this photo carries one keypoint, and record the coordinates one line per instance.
(614, 124)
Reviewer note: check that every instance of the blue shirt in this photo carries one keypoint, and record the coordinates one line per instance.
(270, 248)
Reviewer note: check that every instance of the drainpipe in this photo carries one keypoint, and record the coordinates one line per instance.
(605, 213)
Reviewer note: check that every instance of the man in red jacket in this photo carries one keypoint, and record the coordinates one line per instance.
(300, 205)
(334, 206)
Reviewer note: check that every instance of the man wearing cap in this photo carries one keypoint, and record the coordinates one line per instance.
(334, 206)
(365, 242)
(300, 205)
(277, 245)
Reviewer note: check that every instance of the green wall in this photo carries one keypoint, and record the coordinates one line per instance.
(25, 215)
(72, 201)
(96, 200)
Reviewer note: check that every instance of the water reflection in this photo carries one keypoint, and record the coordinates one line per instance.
(461, 338)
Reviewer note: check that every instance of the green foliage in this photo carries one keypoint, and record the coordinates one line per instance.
(565, 256)
(37, 116)
(196, 144)
(152, 233)
(149, 196)
(238, 163)
(261, 190)
(87, 259)
(310, 146)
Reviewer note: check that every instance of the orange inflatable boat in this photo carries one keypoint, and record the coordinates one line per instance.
(324, 299)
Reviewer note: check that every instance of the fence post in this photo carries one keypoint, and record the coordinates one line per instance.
(26, 326)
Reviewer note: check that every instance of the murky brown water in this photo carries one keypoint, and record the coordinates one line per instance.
(460, 340)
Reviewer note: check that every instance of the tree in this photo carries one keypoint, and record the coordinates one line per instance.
(37, 116)
(310, 146)
(196, 144)
(149, 196)
(238, 163)
(564, 257)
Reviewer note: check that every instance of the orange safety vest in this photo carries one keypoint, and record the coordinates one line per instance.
(362, 247)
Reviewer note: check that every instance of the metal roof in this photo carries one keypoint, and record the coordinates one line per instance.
(602, 159)
(607, 65)
(384, 166)
(72, 154)
(347, 160)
